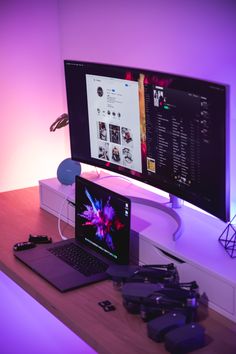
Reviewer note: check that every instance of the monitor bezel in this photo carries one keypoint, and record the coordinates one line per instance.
(225, 214)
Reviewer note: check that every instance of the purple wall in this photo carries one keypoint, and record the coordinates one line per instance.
(190, 37)
(31, 92)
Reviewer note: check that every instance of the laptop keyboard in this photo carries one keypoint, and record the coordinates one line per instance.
(79, 259)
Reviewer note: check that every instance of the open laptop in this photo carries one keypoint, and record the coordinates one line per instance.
(102, 230)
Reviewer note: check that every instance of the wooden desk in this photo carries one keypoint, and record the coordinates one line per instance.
(107, 332)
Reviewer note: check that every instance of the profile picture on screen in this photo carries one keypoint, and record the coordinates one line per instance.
(115, 155)
(158, 98)
(102, 130)
(100, 91)
(126, 134)
(114, 133)
(103, 151)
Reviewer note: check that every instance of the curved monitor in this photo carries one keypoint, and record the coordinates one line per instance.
(166, 130)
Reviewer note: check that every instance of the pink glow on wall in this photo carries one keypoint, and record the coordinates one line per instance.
(31, 92)
(189, 37)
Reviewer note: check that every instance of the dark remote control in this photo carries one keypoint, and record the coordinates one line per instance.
(39, 239)
(20, 246)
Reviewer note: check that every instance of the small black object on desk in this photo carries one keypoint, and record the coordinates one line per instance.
(21, 246)
(39, 239)
(107, 305)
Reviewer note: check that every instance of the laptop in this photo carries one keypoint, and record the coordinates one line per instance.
(102, 231)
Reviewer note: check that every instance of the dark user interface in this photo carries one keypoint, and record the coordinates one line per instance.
(176, 144)
(166, 130)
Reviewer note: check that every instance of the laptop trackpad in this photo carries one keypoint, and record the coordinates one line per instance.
(52, 266)
(60, 274)
(57, 272)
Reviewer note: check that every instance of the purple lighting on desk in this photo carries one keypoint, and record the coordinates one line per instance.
(27, 327)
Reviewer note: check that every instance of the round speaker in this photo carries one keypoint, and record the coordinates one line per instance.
(67, 170)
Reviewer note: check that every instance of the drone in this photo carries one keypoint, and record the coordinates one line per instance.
(154, 290)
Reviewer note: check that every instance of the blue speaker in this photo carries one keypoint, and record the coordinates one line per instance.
(67, 170)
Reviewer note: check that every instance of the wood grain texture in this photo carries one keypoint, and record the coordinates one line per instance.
(107, 332)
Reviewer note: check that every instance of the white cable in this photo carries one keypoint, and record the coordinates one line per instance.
(60, 214)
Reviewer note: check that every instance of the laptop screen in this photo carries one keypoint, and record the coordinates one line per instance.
(102, 220)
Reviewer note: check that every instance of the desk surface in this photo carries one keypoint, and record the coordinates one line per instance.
(107, 332)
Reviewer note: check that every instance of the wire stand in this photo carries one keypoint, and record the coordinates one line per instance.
(228, 239)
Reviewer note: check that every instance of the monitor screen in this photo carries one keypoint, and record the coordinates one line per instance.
(102, 220)
(166, 130)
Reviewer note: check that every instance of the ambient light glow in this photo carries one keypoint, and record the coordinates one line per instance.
(189, 37)
(27, 327)
(165, 36)
(31, 93)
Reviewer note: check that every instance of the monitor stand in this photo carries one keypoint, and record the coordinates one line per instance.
(164, 208)
(168, 207)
